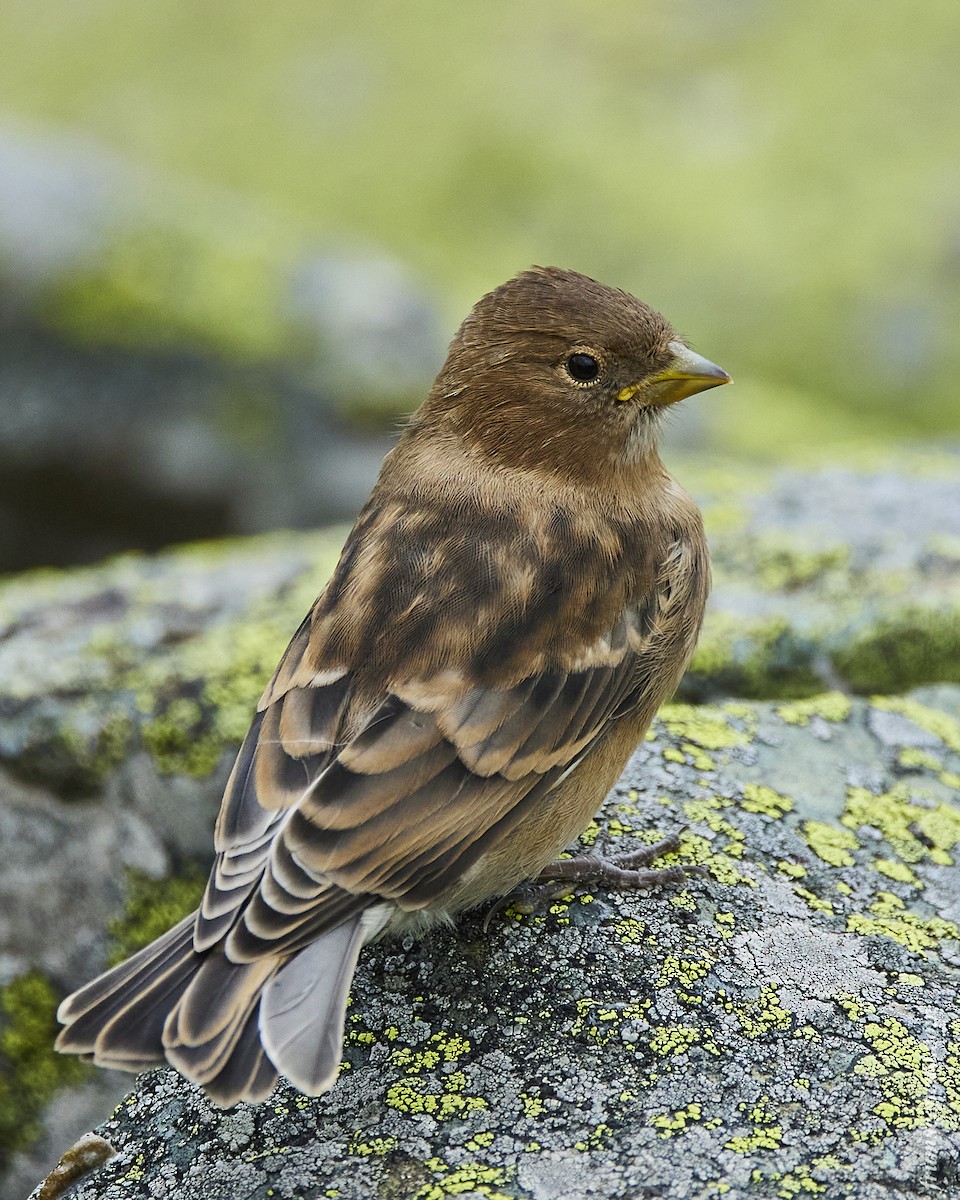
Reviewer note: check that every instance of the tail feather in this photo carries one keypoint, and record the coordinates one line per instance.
(303, 1009)
(219, 997)
(117, 1020)
(229, 1026)
(207, 1026)
(167, 949)
(247, 1074)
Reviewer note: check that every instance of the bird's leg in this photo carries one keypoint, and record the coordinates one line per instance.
(620, 871)
(623, 871)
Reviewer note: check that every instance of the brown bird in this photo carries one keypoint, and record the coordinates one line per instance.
(521, 592)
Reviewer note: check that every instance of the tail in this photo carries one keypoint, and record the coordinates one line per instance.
(231, 1027)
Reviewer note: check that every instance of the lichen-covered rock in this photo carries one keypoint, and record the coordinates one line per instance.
(635, 1042)
(842, 576)
(788, 1025)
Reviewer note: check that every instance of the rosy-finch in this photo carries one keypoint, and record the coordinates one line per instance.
(521, 592)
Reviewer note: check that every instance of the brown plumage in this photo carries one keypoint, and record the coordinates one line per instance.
(521, 592)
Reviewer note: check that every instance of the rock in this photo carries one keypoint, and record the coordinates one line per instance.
(792, 1019)
(789, 1024)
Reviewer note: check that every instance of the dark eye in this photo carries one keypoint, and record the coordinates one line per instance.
(584, 368)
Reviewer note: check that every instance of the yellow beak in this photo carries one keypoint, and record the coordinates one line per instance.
(687, 374)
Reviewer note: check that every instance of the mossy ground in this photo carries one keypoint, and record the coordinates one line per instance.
(31, 1072)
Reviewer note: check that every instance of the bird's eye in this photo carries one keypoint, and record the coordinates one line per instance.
(584, 368)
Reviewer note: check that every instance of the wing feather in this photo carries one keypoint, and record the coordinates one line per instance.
(343, 795)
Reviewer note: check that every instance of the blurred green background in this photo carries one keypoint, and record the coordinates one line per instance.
(249, 216)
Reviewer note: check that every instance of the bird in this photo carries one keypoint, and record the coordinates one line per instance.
(520, 593)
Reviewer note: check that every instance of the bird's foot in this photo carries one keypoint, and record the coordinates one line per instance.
(623, 872)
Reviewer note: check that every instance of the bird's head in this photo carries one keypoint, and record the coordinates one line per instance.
(555, 371)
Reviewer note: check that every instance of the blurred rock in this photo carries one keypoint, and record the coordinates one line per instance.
(177, 367)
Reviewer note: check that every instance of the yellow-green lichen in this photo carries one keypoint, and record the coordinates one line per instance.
(630, 931)
(758, 798)
(766, 1134)
(533, 1106)
(477, 1179)
(831, 844)
(31, 1071)
(812, 900)
(703, 726)
(725, 923)
(449, 1102)
(450, 1098)
(830, 706)
(670, 1124)
(797, 1182)
(597, 1139)
(913, 831)
(687, 971)
(897, 871)
(761, 1016)
(600, 1023)
(852, 1006)
(671, 1041)
(441, 1048)
(700, 851)
(889, 917)
(907, 1075)
(914, 759)
(374, 1147)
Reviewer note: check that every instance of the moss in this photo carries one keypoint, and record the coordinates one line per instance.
(764, 658)
(197, 701)
(902, 650)
(782, 563)
(31, 1071)
(74, 752)
(85, 1155)
(152, 907)
(208, 286)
